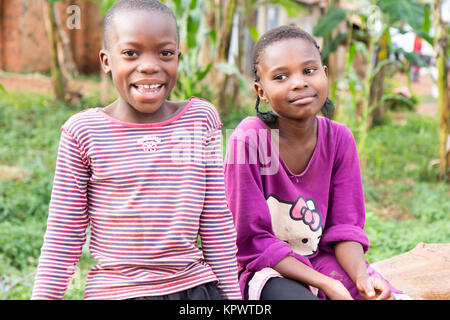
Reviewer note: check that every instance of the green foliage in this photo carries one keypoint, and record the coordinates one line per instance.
(411, 12)
(400, 181)
(20, 244)
(409, 154)
(191, 73)
(292, 8)
(391, 237)
(333, 17)
(30, 130)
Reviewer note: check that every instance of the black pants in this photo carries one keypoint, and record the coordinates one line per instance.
(207, 291)
(286, 289)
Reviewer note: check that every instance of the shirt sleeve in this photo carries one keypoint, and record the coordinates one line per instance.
(217, 232)
(346, 212)
(66, 224)
(258, 246)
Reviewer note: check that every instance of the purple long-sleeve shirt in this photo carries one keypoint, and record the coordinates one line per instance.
(278, 213)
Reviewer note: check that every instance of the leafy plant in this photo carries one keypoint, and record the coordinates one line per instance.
(371, 43)
(191, 73)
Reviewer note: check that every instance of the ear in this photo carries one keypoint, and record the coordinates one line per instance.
(325, 69)
(104, 60)
(179, 56)
(260, 92)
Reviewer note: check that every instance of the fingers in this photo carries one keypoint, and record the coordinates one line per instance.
(382, 289)
(369, 288)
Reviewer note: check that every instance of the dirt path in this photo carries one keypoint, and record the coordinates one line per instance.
(423, 89)
(38, 83)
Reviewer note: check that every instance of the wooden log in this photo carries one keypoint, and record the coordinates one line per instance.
(422, 273)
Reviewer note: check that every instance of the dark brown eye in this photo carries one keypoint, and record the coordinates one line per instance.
(280, 77)
(129, 53)
(167, 53)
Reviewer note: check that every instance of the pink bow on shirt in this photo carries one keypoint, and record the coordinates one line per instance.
(300, 211)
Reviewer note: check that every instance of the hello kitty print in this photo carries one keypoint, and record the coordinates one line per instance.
(299, 223)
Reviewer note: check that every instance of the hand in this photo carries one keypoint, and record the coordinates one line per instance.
(372, 288)
(335, 290)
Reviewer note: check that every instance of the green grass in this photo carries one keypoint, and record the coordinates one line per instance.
(405, 204)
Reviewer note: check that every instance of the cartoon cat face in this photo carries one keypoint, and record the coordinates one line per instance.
(299, 224)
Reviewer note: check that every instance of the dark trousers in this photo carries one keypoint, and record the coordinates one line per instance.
(286, 289)
(207, 291)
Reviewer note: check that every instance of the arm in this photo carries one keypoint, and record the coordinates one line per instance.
(344, 231)
(346, 211)
(291, 268)
(217, 231)
(66, 225)
(350, 256)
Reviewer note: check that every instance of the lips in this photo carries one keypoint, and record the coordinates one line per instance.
(302, 99)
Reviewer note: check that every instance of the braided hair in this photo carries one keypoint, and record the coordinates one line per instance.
(270, 37)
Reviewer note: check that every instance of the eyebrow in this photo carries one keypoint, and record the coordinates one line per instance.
(282, 68)
(138, 44)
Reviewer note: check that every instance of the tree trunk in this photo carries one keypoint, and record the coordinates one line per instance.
(222, 16)
(332, 61)
(58, 80)
(377, 86)
(66, 59)
(441, 47)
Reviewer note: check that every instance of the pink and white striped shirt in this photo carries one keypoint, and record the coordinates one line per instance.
(146, 191)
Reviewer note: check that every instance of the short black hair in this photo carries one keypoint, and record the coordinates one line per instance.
(137, 5)
(270, 37)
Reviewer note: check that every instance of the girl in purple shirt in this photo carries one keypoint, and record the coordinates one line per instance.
(293, 184)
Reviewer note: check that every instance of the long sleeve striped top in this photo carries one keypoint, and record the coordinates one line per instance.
(146, 191)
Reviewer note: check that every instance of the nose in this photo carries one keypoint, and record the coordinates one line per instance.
(298, 81)
(148, 65)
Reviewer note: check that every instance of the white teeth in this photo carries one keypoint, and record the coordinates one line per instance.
(147, 86)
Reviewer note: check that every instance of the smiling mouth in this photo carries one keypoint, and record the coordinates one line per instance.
(147, 88)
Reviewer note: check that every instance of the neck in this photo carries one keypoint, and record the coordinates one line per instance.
(121, 110)
(297, 131)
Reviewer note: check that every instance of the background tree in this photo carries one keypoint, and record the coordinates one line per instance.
(368, 42)
(59, 80)
(441, 44)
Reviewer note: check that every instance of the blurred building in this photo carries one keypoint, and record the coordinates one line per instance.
(23, 39)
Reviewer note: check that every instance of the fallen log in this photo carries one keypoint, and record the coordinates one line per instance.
(422, 273)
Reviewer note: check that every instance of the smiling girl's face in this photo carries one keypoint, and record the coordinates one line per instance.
(292, 78)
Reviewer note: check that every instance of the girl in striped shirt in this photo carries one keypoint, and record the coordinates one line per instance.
(145, 174)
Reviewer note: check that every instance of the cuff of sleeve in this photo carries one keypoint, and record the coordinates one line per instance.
(344, 232)
(271, 256)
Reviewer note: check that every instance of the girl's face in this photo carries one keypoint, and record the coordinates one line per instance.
(292, 78)
(143, 58)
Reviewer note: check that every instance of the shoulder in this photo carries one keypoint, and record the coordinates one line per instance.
(248, 126)
(335, 132)
(201, 108)
(339, 142)
(79, 125)
(250, 131)
(81, 119)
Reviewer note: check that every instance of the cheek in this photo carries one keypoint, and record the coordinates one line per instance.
(323, 85)
(173, 70)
